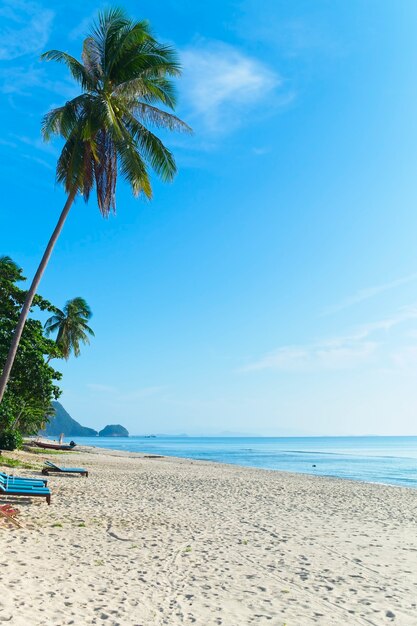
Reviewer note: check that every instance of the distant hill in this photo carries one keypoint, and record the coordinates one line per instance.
(114, 430)
(62, 422)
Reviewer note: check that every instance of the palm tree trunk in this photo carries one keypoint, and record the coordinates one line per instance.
(16, 422)
(31, 294)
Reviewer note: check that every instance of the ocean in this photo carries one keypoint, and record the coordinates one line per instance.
(389, 460)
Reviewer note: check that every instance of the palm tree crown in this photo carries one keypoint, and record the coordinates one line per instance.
(124, 74)
(71, 326)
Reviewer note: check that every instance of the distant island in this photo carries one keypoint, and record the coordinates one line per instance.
(62, 422)
(113, 430)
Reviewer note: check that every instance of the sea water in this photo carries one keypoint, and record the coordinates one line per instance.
(389, 460)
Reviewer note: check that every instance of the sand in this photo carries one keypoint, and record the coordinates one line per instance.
(147, 542)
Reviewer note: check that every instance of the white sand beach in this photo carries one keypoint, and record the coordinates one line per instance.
(148, 542)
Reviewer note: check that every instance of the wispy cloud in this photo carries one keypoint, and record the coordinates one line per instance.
(406, 358)
(261, 151)
(144, 392)
(367, 293)
(25, 28)
(344, 352)
(220, 82)
(23, 80)
(297, 35)
(39, 161)
(20, 144)
(8, 143)
(102, 388)
(37, 143)
(119, 395)
(338, 353)
(82, 28)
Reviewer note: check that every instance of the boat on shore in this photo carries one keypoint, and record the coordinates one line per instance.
(51, 445)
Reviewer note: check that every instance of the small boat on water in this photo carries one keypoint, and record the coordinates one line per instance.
(53, 446)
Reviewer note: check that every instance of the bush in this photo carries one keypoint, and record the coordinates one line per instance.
(10, 440)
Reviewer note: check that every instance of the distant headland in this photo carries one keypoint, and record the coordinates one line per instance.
(62, 422)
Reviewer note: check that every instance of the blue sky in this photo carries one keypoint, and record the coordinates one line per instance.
(272, 288)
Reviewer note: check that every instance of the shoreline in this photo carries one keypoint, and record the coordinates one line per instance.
(81, 447)
(143, 455)
(156, 541)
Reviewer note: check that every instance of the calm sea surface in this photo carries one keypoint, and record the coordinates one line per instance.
(390, 460)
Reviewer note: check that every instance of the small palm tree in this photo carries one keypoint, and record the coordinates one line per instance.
(71, 327)
(125, 73)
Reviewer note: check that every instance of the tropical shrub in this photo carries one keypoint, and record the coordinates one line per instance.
(32, 384)
(10, 440)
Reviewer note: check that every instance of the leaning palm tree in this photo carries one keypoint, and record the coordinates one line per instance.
(125, 75)
(71, 327)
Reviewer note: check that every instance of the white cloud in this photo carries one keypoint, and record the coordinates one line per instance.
(220, 83)
(19, 80)
(261, 151)
(369, 292)
(19, 142)
(144, 392)
(101, 388)
(37, 143)
(343, 353)
(39, 161)
(82, 28)
(7, 143)
(406, 358)
(25, 28)
(23, 80)
(125, 396)
(338, 353)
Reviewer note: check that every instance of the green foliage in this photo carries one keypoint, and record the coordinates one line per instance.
(5, 462)
(10, 440)
(32, 384)
(124, 74)
(71, 327)
(44, 452)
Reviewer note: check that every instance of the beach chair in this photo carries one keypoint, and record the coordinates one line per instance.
(10, 478)
(9, 513)
(25, 490)
(51, 467)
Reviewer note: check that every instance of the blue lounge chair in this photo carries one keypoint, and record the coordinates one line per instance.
(25, 490)
(51, 467)
(10, 478)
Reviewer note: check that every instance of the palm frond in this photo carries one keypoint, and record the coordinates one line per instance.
(62, 120)
(69, 169)
(150, 61)
(151, 90)
(105, 173)
(131, 37)
(52, 324)
(77, 69)
(149, 114)
(152, 148)
(133, 168)
(91, 56)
